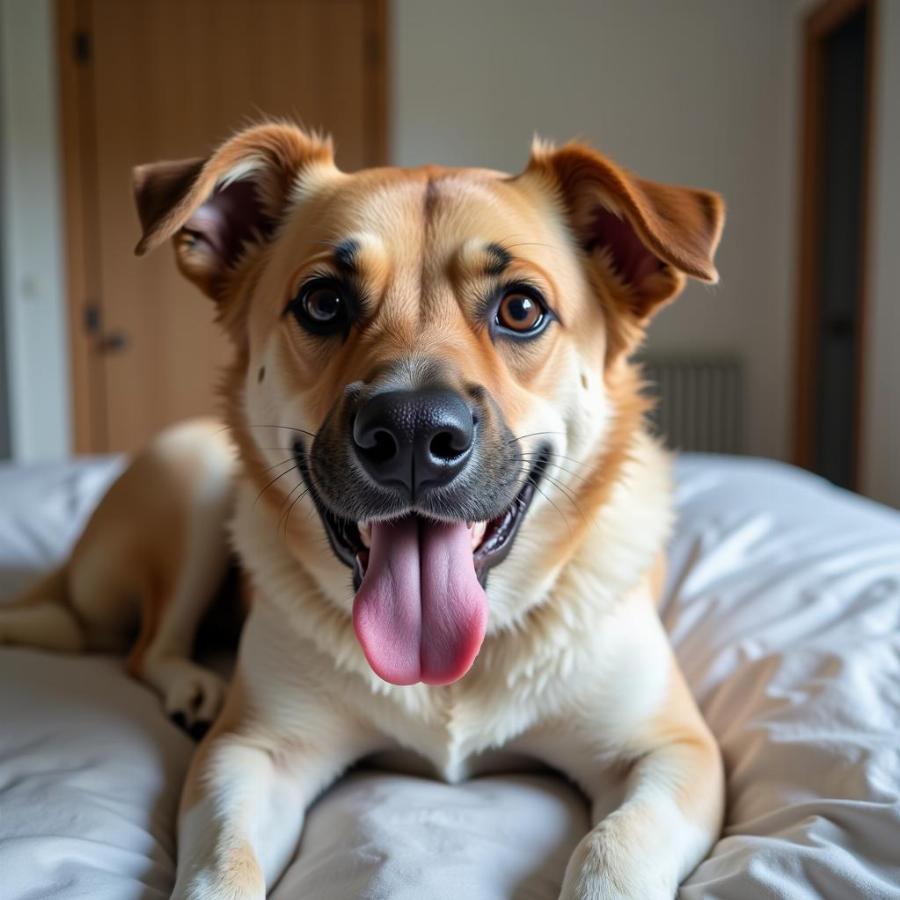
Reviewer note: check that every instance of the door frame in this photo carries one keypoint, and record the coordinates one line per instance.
(826, 18)
(81, 244)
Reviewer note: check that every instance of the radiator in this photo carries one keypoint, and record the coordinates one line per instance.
(699, 402)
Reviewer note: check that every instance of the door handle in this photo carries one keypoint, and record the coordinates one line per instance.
(113, 342)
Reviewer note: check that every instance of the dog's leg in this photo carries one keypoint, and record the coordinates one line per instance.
(43, 618)
(180, 595)
(633, 739)
(670, 815)
(192, 695)
(248, 788)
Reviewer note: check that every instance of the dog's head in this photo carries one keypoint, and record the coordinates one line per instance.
(431, 363)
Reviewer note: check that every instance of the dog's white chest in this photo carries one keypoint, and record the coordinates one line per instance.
(461, 730)
(464, 744)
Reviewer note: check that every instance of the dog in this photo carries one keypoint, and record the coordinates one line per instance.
(448, 510)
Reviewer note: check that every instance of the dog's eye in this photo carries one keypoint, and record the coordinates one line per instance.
(320, 307)
(521, 313)
(323, 304)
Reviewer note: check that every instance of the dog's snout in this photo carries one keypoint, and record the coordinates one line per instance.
(416, 439)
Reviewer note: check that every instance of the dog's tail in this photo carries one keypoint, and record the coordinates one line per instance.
(43, 616)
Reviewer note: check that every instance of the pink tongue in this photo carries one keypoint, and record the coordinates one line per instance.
(420, 612)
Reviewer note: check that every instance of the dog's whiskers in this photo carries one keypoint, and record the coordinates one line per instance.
(312, 434)
(290, 511)
(283, 462)
(292, 467)
(537, 487)
(534, 453)
(521, 437)
(572, 472)
(284, 520)
(562, 488)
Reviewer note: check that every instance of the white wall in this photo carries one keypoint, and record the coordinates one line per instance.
(696, 92)
(36, 337)
(881, 444)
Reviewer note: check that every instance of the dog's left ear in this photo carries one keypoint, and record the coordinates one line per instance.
(646, 237)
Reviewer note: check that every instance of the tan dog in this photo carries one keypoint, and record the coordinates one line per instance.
(448, 508)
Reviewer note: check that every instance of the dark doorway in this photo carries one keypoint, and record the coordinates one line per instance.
(5, 424)
(832, 283)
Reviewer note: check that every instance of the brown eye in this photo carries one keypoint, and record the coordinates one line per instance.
(521, 313)
(321, 308)
(323, 304)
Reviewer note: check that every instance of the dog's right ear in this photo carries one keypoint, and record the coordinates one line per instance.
(220, 209)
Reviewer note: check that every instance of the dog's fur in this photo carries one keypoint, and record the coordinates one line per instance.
(575, 669)
(148, 563)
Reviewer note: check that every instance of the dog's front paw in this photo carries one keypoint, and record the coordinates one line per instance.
(604, 867)
(212, 887)
(237, 877)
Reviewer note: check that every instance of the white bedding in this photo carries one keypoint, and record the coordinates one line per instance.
(784, 608)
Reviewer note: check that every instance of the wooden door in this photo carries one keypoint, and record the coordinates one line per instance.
(143, 80)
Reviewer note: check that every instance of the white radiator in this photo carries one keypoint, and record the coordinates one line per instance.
(699, 402)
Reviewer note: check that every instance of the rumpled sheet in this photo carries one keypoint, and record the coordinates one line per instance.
(783, 603)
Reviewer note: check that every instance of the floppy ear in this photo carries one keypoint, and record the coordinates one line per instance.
(220, 208)
(645, 236)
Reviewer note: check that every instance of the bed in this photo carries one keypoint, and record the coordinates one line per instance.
(783, 604)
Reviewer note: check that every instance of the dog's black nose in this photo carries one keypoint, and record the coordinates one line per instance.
(414, 439)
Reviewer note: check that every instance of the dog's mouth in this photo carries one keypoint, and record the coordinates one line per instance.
(420, 609)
